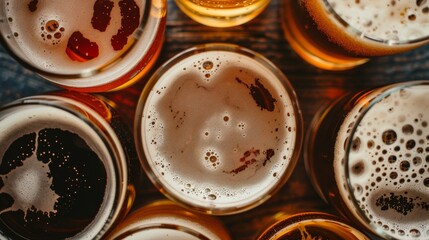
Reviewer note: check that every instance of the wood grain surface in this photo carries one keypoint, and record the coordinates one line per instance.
(313, 86)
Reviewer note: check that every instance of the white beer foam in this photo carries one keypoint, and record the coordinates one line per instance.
(386, 20)
(389, 164)
(205, 137)
(32, 119)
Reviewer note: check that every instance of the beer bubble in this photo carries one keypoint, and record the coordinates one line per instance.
(211, 197)
(415, 233)
(408, 129)
(426, 182)
(52, 25)
(410, 144)
(405, 166)
(356, 144)
(208, 65)
(358, 168)
(393, 175)
(417, 161)
(389, 137)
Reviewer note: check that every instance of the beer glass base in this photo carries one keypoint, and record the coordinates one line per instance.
(312, 54)
(221, 18)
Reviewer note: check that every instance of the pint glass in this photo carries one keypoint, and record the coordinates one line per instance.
(368, 155)
(339, 35)
(64, 168)
(91, 46)
(222, 13)
(218, 128)
(311, 225)
(167, 220)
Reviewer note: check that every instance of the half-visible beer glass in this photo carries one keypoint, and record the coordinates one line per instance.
(311, 225)
(222, 13)
(91, 46)
(218, 128)
(339, 35)
(65, 160)
(164, 219)
(368, 155)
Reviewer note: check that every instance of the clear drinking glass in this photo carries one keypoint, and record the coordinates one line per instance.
(339, 35)
(222, 13)
(91, 46)
(66, 167)
(368, 155)
(218, 128)
(164, 219)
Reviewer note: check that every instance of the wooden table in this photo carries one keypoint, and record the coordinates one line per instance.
(264, 35)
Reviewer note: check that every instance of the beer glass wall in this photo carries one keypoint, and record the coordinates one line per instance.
(64, 169)
(218, 128)
(85, 45)
(339, 35)
(167, 220)
(368, 155)
(222, 13)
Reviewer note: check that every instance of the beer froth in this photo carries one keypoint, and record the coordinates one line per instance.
(389, 163)
(54, 175)
(219, 130)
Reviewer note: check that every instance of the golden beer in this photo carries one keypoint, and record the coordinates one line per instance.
(222, 13)
(339, 35)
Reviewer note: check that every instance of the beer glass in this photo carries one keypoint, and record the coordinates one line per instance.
(368, 155)
(340, 35)
(91, 46)
(311, 225)
(164, 219)
(218, 128)
(64, 168)
(222, 13)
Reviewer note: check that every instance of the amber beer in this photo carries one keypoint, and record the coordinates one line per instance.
(311, 226)
(218, 128)
(367, 154)
(164, 219)
(91, 46)
(65, 160)
(339, 35)
(222, 13)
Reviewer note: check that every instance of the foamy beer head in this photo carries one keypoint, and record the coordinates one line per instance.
(167, 220)
(61, 177)
(393, 22)
(311, 225)
(386, 161)
(218, 128)
(82, 43)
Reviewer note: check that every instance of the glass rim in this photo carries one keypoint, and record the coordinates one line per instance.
(386, 90)
(61, 78)
(362, 34)
(116, 153)
(208, 47)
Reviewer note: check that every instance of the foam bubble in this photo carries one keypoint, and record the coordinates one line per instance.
(394, 189)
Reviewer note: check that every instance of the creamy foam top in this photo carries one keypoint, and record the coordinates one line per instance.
(32, 119)
(46, 32)
(389, 163)
(386, 20)
(218, 130)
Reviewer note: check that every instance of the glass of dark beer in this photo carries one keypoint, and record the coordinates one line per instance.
(164, 219)
(367, 154)
(340, 35)
(218, 128)
(91, 46)
(64, 167)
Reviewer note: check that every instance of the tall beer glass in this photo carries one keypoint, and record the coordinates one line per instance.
(339, 35)
(311, 225)
(222, 13)
(368, 155)
(167, 220)
(91, 46)
(64, 168)
(218, 128)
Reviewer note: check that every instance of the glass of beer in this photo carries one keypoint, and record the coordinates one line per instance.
(311, 225)
(164, 219)
(64, 168)
(340, 35)
(218, 128)
(368, 155)
(222, 13)
(91, 46)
